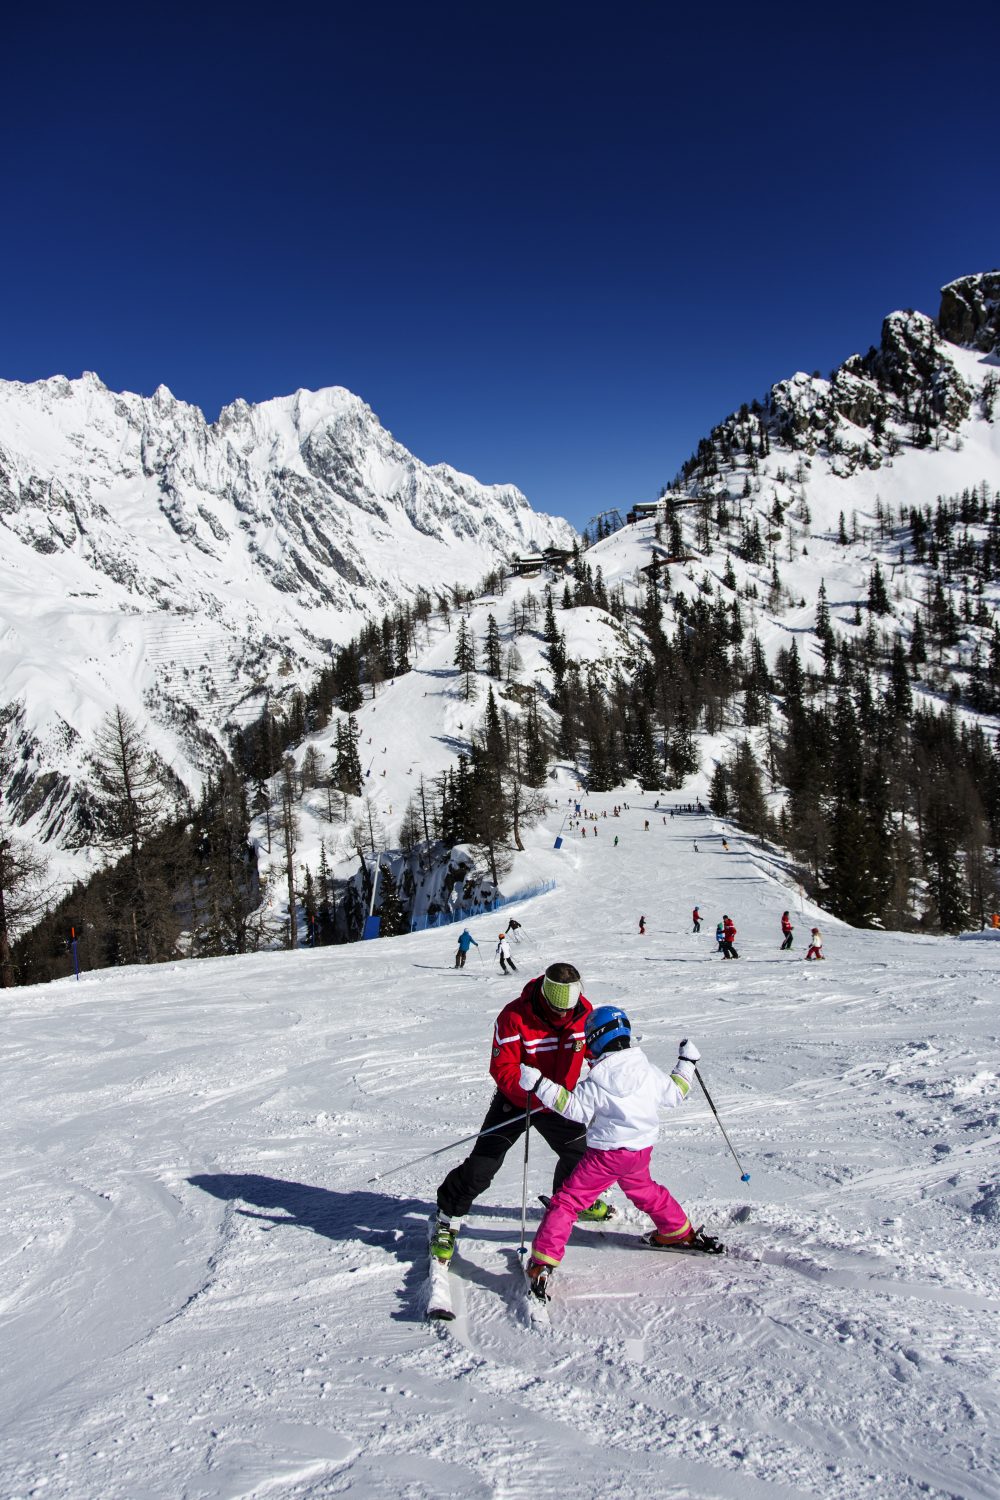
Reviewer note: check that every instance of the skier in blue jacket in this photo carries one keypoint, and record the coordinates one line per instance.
(465, 942)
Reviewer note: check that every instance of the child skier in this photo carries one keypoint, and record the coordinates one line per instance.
(503, 954)
(720, 934)
(816, 945)
(619, 1103)
(787, 930)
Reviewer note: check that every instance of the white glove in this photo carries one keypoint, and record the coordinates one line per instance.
(529, 1078)
(688, 1052)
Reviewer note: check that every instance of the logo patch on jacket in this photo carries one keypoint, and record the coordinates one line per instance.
(496, 1051)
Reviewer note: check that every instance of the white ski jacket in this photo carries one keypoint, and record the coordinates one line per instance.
(620, 1099)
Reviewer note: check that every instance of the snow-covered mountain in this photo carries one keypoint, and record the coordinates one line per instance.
(182, 568)
(923, 403)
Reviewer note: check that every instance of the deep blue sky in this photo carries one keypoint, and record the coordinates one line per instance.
(550, 244)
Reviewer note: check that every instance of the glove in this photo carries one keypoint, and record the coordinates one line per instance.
(688, 1052)
(529, 1078)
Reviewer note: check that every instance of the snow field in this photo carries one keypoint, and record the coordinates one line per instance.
(204, 1295)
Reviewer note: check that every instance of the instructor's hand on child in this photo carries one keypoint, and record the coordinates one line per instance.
(529, 1078)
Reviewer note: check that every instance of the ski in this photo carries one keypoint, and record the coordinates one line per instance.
(701, 1244)
(448, 969)
(537, 1302)
(439, 1304)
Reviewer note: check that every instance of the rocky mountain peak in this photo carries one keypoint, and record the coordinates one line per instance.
(970, 312)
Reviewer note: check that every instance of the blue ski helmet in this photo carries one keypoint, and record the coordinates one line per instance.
(604, 1027)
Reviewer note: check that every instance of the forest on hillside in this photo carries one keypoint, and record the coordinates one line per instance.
(867, 756)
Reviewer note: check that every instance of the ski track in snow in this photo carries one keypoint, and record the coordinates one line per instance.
(205, 1296)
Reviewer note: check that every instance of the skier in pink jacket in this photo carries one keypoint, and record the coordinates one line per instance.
(619, 1102)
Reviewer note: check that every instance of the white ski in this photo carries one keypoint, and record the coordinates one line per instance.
(439, 1303)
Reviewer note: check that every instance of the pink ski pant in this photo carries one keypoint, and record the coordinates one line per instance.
(596, 1173)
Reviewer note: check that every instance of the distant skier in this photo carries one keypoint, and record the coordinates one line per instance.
(725, 846)
(696, 919)
(696, 849)
(787, 930)
(465, 942)
(503, 954)
(619, 1102)
(728, 938)
(642, 926)
(816, 945)
(513, 928)
(646, 826)
(616, 841)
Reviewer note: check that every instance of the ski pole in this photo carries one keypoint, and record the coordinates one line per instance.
(504, 1125)
(522, 1250)
(744, 1176)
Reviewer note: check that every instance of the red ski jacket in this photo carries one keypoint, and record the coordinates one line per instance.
(786, 926)
(729, 931)
(527, 1030)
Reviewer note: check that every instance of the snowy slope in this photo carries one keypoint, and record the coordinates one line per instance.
(206, 1295)
(182, 569)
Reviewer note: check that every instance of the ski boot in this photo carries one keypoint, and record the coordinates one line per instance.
(539, 1274)
(443, 1234)
(696, 1241)
(598, 1213)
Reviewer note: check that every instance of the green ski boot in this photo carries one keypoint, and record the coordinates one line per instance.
(598, 1213)
(443, 1234)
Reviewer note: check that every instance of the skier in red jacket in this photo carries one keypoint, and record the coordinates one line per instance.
(728, 938)
(543, 1027)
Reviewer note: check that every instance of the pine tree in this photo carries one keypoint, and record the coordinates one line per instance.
(394, 919)
(130, 800)
(491, 648)
(347, 772)
(749, 806)
(878, 599)
(465, 657)
(22, 875)
(718, 791)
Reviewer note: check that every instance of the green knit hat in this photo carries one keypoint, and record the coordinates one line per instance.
(561, 996)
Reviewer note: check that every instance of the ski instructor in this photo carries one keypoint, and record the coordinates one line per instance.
(543, 1028)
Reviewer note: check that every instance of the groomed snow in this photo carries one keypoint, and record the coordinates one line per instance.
(204, 1295)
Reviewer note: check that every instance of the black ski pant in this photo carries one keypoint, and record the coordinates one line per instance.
(460, 959)
(507, 964)
(464, 1183)
(728, 951)
(787, 943)
(696, 927)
